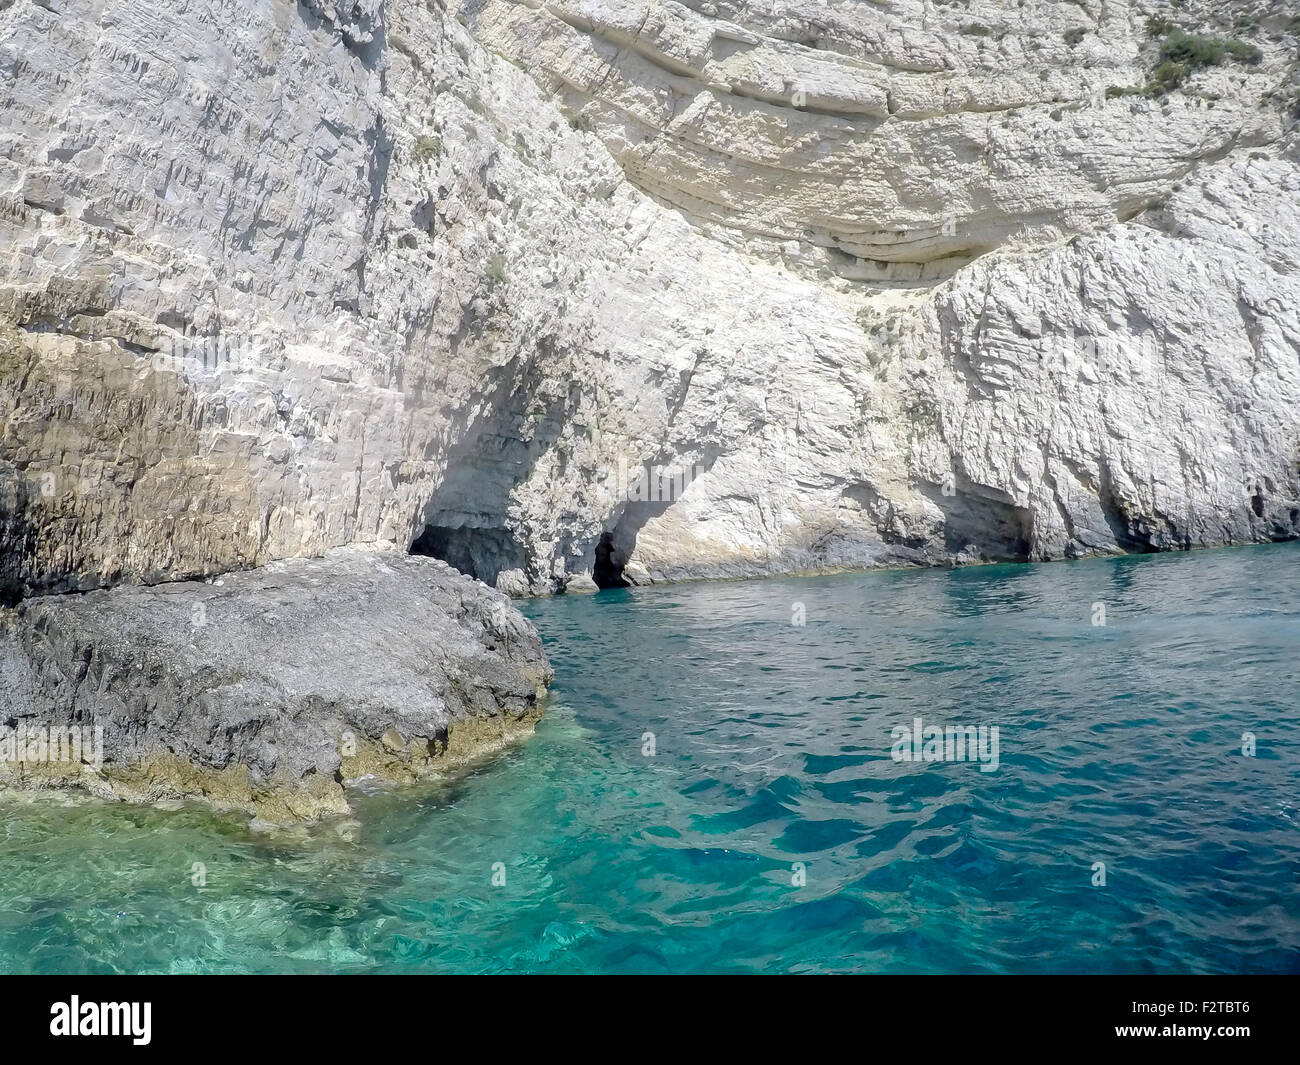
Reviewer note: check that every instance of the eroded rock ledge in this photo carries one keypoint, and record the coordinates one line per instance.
(268, 691)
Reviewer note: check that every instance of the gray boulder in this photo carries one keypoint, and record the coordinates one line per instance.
(266, 690)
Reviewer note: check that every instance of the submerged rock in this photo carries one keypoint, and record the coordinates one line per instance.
(268, 690)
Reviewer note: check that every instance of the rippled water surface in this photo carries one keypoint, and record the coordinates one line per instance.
(1119, 744)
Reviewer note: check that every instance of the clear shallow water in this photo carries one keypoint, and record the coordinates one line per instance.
(1118, 744)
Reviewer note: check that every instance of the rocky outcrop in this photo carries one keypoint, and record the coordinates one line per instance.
(868, 284)
(265, 691)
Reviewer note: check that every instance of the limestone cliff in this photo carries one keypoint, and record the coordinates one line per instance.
(871, 282)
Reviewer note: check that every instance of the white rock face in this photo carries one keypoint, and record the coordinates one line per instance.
(889, 142)
(873, 284)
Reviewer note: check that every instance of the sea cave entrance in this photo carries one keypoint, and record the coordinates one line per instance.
(608, 569)
(481, 553)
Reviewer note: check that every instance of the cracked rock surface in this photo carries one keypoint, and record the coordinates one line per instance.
(265, 691)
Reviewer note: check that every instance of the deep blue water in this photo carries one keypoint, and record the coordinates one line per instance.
(1118, 743)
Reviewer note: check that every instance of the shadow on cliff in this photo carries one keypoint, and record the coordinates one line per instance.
(466, 521)
(997, 529)
(653, 491)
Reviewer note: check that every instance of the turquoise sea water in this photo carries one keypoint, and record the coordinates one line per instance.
(1118, 743)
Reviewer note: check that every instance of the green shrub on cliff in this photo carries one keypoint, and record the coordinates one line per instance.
(1183, 53)
(496, 269)
(427, 148)
(1166, 77)
(1244, 52)
(1193, 51)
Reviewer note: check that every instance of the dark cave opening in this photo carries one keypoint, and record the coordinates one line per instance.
(11, 591)
(481, 553)
(608, 569)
